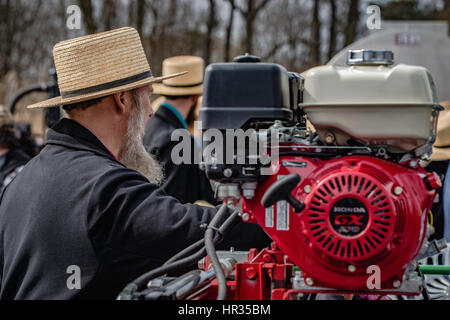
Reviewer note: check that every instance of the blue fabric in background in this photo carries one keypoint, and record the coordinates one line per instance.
(176, 113)
(446, 194)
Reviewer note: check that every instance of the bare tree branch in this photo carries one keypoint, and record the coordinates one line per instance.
(211, 25)
(315, 35)
(229, 31)
(88, 15)
(352, 22)
(332, 30)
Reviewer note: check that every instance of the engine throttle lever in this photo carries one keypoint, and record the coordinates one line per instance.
(281, 191)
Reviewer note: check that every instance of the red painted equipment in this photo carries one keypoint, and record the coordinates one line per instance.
(360, 211)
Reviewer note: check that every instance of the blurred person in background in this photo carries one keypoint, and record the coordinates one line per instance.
(12, 156)
(440, 165)
(176, 109)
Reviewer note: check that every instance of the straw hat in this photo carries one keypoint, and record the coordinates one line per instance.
(189, 84)
(100, 65)
(441, 149)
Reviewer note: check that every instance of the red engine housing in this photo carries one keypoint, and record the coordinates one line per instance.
(360, 211)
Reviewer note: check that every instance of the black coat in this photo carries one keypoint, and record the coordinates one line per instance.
(440, 167)
(76, 205)
(14, 161)
(186, 182)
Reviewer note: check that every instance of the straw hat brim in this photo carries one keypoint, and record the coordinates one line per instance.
(164, 90)
(59, 101)
(157, 103)
(440, 154)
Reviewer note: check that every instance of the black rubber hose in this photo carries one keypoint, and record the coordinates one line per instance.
(189, 250)
(37, 88)
(212, 254)
(140, 283)
(169, 291)
(200, 244)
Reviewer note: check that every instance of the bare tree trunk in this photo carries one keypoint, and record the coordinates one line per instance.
(315, 35)
(63, 17)
(352, 22)
(212, 23)
(333, 30)
(250, 14)
(7, 45)
(109, 13)
(229, 32)
(249, 28)
(140, 17)
(88, 15)
(132, 12)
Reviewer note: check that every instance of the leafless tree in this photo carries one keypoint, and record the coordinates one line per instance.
(249, 14)
(211, 26)
(140, 15)
(315, 34)
(109, 13)
(229, 31)
(352, 22)
(87, 10)
(332, 30)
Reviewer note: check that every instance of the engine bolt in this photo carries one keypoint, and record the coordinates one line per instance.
(397, 284)
(351, 268)
(246, 217)
(267, 257)
(330, 139)
(250, 273)
(227, 173)
(307, 189)
(398, 191)
(309, 281)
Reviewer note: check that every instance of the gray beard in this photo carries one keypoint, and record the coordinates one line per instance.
(134, 154)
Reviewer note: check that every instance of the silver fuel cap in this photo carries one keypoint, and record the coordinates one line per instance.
(370, 57)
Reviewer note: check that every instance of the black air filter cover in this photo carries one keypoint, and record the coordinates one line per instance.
(236, 93)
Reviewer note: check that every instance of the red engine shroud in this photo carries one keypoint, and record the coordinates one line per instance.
(360, 211)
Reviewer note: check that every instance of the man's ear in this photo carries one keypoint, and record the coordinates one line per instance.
(119, 99)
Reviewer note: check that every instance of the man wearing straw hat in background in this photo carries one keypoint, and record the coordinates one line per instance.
(176, 110)
(82, 220)
(440, 165)
(186, 182)
(12, 157)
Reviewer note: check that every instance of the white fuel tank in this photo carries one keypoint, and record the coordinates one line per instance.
(373, 102)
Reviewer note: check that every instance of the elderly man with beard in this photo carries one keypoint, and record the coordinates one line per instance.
(87, 216)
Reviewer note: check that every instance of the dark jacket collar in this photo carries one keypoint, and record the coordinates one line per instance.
(71, 134)
(168, 116)
(14, 159)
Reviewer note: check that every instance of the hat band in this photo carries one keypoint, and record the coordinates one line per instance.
(183, 86)
(106, 86)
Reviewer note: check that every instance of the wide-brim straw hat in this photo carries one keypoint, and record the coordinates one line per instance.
(441, 148)
(186, 85)
(100, 65)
